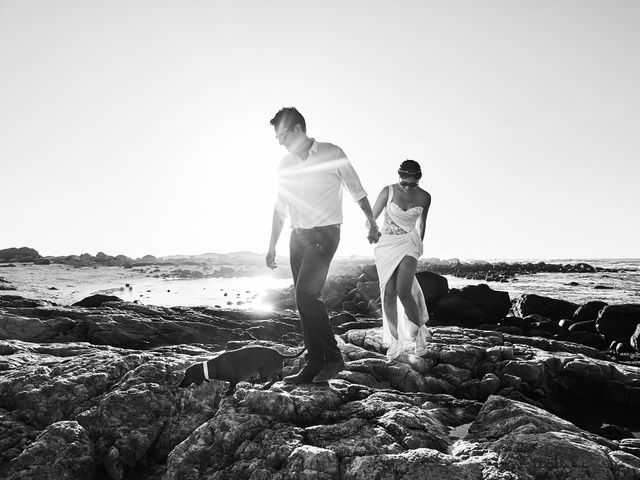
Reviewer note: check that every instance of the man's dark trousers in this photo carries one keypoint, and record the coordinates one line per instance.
(311, 252)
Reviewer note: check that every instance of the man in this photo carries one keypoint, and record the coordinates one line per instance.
(310, 180)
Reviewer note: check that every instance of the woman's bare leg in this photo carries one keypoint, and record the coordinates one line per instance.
(405, 273)
(390, 300)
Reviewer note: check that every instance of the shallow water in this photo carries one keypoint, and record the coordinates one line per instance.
(235, 292)
(610, 287)
(65, 284)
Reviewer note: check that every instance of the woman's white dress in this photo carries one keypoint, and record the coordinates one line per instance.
(399, 238)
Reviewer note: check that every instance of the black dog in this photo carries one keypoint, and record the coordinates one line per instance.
(236, 365)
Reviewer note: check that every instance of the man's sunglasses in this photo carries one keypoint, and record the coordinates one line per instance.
(407, 184)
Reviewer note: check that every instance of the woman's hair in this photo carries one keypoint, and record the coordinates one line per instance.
(287, 118)
(410, 168)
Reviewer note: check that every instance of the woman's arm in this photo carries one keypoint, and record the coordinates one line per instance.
(380, 202)
(422, 222)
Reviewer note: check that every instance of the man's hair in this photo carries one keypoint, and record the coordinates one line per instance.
(288, 118)
(410, 168)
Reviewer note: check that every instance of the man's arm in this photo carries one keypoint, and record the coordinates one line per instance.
(351, 181)
(276, 229)
(373, 234)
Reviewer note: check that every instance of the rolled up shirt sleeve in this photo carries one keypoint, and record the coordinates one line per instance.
(349, 177)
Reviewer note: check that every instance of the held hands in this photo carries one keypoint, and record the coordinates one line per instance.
(270, 259)
(374, 234)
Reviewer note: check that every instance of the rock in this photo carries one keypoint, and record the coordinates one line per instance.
(614, 432)
(454, 309)
(494, 304)
(353, 307)
(565, 323)
(368, 291)
(453, 375)
(528, 372)
(549, 307)
(539, 322)
(433, 286)
(385, 416)
(631, 445)
(286, 304)
(42, 261)
(96, 301)
(618, 322)
(528, 442)
(369, 273)
(588, 311)
(62, 451)
(586, 326)
(587, 338)
(511, 321)
(307, 461)
(635, 339)
(341, 319)
(510, 330)
(626, 347)
(22, 254)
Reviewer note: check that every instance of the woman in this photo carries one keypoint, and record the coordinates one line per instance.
(397, 252)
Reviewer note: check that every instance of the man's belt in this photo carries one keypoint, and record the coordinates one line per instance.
(300, 231)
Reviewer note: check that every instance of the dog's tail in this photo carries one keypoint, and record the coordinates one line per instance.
(296, 355)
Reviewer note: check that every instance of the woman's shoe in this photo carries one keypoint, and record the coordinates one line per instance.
(394, 350)
(422, 340)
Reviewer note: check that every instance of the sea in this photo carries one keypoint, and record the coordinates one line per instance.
(618, 282)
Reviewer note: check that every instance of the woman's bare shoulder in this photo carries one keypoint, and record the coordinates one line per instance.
(425, 196)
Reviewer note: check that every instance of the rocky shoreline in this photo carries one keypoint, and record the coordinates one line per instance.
(509, 389)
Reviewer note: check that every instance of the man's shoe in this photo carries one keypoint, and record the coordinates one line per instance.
(329, 371)
(303, 376)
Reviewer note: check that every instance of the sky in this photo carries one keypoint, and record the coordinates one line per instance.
(142, 127)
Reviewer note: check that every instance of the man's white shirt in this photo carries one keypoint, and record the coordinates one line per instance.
(310, 191)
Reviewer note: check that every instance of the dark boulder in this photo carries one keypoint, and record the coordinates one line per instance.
(540, 322)
(587, 326)
(565, 323)
(22, 254)
(42, 261)
(454, 309)
(494, 304)
(586, 338)
(369, 274)
(511, 330)
(635, 339)
(96, 300)
(366, 291)
(618, 322)
(549, 307)
(625, 347)
(512, 321)
(341, 319)
(433, 286)
(588, 311)
(614, 432)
